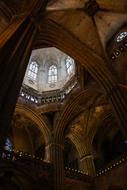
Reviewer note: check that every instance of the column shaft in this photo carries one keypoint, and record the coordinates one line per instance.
(15, 47)
(87, 165)
(57, 159)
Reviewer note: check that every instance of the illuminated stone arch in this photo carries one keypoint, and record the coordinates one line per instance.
(73, 108)
(41, 122)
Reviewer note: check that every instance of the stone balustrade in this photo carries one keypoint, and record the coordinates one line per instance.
(26, 159)
(77, 174)
(36, 163)
(28, 95)
(112, 164)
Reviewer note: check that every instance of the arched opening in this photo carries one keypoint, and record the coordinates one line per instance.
(71, 157)
(27, 137)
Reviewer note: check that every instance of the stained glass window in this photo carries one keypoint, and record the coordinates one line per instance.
(8, 145)
(121, 36)
(33, 70)
(69, 65)
(52, 74)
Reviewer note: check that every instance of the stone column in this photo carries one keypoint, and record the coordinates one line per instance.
(118, 98)
(15, 48)
(16, 44)
(87, 165)
(48, 153)
(56, 150)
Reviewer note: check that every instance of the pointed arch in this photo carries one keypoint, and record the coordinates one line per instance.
(41, 122)
(52, 74)
(33, 70)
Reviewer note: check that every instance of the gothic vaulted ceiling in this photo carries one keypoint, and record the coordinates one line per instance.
(92, 22)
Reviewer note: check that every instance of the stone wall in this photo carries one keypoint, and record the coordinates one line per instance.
(72, 184)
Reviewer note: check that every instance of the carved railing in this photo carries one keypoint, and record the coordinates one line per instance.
(29, 95)
(37, 163)
(26, 159)
(33, 163)
(77, 174)
(114, 163)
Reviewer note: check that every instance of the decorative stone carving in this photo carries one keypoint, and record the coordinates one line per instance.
(91, 7)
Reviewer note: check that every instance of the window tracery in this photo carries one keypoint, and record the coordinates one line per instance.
(69, 65)
(33, 70)
(52, 74)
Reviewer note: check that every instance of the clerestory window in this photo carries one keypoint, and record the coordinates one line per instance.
(33, 70)
(69, 65)
(52, 74)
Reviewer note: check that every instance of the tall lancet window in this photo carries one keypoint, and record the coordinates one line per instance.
(33, 70)
(69, 65)
(52, 74)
